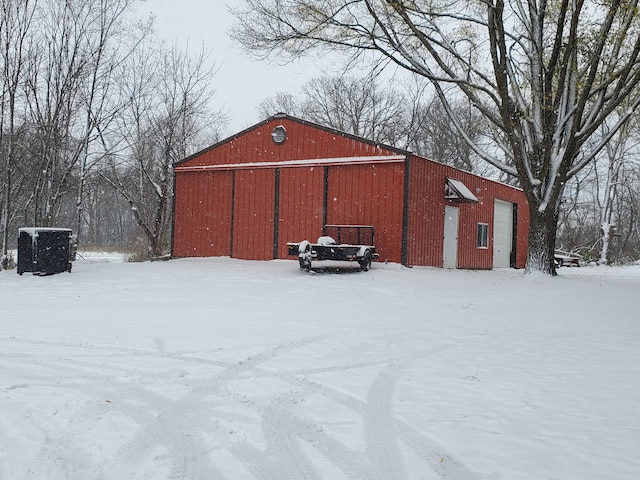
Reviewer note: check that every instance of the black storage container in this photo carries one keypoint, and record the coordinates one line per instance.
(44, 250)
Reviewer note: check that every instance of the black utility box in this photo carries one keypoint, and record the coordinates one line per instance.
(44, 250)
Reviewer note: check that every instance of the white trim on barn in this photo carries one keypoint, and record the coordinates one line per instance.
(313, 162)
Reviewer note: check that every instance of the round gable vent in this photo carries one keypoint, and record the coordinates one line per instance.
(279, 134)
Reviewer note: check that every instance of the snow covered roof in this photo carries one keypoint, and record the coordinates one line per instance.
(36, 230)
(456, 190)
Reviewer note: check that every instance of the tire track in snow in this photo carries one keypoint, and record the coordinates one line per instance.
(280, 422)
(163, 424)
(383, 459)
(355, 465)
(177, 437)
(376, 409)
(283, 444)
(256, 461)
(443, 462)
(79, 345)
(63, 455)
(168, 427)
(149, 436)
(153, 432)
(381, 433)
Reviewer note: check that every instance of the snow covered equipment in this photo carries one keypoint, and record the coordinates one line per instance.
(44, 251)
(348, 243)
(567, 259)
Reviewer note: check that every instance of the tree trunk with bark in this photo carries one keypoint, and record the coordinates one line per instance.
(542, 240)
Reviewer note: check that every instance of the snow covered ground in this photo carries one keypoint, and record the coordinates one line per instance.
(229, 369)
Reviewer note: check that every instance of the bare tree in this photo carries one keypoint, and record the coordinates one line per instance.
(435, 137)
(611, 180)
(356, 105)
(168, 112)
(78, 97)
(281, 102)
(614, 158)
(543, 75)
(627, 246)
(598, 209)
(57, 72)
(106, 49)
(15, 23)
(401, 114)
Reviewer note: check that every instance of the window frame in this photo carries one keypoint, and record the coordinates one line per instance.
(482, 236)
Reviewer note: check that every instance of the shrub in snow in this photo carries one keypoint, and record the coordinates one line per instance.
(7, 261)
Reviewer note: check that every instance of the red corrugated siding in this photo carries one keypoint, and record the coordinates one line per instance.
(301, 210)
(255, 193)
(370, 195)
(202, 214)
(253, 214)
(469, 255)
(426, 216)
(303, 142)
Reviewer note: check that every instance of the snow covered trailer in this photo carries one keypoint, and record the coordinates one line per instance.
(343, 243)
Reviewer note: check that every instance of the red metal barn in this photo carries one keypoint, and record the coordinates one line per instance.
(283, 179)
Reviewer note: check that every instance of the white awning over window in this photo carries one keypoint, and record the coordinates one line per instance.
(456, 190)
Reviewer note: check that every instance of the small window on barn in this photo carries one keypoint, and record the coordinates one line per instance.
(483, 235)
(279, 134)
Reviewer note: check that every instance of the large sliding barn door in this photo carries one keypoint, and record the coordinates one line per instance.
(253, 214)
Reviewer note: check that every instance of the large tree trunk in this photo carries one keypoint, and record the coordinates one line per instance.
(542, 239)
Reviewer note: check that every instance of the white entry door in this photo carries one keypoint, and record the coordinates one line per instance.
(450, 237)
(502, 233)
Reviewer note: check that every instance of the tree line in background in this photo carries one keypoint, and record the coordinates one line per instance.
(95, 111)
(600, 211)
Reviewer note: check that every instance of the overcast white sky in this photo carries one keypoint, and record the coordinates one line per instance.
(241, 83)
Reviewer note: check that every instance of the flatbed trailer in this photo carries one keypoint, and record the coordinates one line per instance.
(346, 243)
